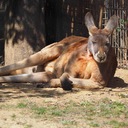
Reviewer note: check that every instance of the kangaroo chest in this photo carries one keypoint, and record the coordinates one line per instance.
(77, 64)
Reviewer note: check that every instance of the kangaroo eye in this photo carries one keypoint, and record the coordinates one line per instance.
(94, 42)
(107, 44)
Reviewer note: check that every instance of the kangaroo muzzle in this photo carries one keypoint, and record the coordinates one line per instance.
(100, 57)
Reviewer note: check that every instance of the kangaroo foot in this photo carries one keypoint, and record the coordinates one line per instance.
(66, 84)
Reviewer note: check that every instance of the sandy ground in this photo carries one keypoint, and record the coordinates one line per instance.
(12, 94)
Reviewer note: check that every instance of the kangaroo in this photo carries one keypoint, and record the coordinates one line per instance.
(74, 62)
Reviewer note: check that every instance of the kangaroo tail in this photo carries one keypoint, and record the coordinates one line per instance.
(40, 77)
(23, 78)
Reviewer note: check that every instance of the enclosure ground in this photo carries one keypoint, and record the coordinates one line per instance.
(25, 106)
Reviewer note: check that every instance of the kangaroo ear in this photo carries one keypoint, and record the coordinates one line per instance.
(111, 24)
(89, 22)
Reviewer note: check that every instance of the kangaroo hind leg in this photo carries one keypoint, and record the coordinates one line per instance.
(46, 54)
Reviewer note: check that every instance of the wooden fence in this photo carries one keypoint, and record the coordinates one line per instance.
(66, 17)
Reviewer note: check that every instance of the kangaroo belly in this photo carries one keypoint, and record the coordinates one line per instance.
(49, 67)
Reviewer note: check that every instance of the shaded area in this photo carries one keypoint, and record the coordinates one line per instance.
(23, 21)
(22, 90)
(118, 82)
(27, 90)
(2, 13)
(24, 29)
(66, 17)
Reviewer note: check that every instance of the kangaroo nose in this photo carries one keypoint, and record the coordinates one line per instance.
(101, 56)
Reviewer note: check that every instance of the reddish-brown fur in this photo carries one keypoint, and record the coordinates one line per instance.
(73, 62)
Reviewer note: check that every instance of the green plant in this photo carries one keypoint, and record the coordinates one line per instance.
(28, 126)
(21, 105)
(69, 122)
(93, 124)
(40, 110)
(117, 124)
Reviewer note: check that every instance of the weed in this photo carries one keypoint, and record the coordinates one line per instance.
(21, 105)
(104, 108)
(13, 116)
(57, 113)
(69, 122)
(123, 95)
(89, 108)
(93, 124)
(112, 109)
(40, 110)
(117, 124)
(75, 112)
(28, 126)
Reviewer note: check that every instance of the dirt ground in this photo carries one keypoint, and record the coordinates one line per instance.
(12, 94)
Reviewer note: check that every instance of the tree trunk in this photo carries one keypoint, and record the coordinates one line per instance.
(24, 29)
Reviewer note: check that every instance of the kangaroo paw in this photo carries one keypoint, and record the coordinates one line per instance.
(66, 84)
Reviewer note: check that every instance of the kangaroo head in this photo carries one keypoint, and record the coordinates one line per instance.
(98, 41)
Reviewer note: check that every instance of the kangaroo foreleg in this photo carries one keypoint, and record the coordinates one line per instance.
(68, 82)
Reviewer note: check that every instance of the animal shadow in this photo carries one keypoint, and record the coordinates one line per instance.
(117, 82)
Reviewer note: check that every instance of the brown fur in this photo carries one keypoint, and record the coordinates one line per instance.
(73, 62)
